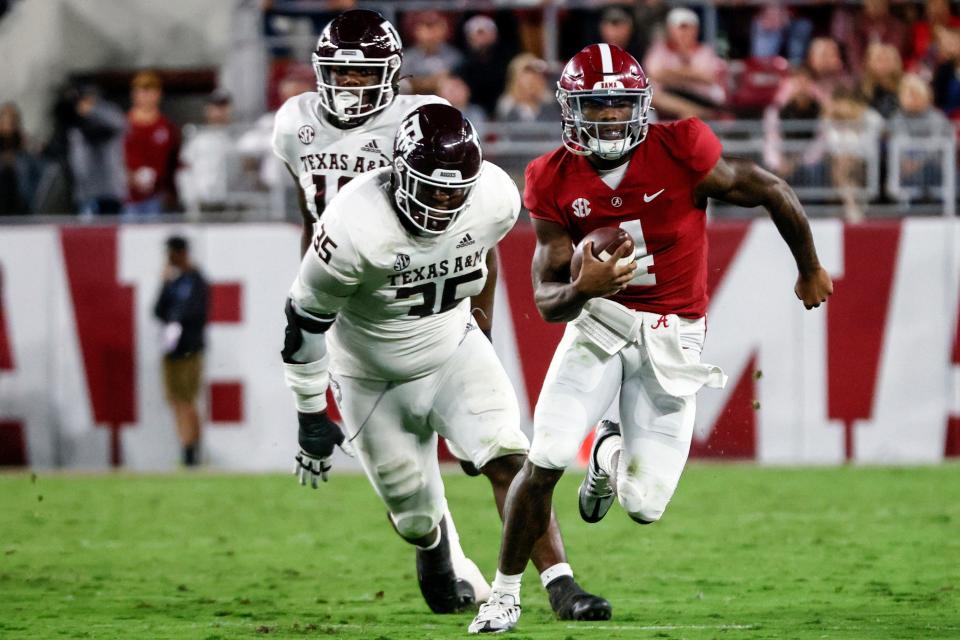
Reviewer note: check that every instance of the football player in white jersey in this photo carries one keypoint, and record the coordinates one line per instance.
(346, 128)
(394, 262)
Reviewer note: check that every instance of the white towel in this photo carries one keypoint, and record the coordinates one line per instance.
(678, 376)
(611, 326)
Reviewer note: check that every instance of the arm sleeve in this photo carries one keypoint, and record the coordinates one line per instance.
(329, 275)
(537, 194)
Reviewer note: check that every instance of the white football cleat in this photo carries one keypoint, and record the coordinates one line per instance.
(596, 491)
(498, 614)
(467, 570)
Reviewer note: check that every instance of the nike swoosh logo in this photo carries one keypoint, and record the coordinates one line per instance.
(647, 198)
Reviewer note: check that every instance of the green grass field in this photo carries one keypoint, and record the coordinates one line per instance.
(743, 552)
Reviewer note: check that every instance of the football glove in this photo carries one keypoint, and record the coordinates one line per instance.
(318, 436)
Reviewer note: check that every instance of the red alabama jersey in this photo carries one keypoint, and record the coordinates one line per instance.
(654, 203)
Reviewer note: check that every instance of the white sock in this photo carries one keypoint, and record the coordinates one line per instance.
(509, 585)
(558, 570)
(605, 452)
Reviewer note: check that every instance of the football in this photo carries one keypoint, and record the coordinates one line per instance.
(605, 240)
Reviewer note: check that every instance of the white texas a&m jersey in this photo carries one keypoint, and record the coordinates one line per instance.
(401, 300)
(325, 157)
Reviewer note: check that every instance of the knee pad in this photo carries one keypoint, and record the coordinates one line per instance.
(558, 426)
(549, 452)
(508, 441)
(411, 526)
(644, 497)
(400, 479)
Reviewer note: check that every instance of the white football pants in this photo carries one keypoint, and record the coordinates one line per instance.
(657, 427)
(394, 426)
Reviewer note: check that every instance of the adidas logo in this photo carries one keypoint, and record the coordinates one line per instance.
(371, 147)
(465, 242)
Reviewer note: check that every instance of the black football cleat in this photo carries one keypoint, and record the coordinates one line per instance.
(442, 590)
(570, 602)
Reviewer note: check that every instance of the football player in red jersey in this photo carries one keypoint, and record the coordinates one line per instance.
(636, 328)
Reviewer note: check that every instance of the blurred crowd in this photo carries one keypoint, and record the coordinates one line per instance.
(827, 81)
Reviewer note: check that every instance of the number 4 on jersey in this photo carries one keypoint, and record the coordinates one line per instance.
(644, 260)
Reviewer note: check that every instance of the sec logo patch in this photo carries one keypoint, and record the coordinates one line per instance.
(581, 207)
(616, 201)
(306, 134)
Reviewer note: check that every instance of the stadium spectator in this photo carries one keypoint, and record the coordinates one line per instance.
(917, 118)
(805, 101)
(617, 28)
(202, 179)
(854, 31)
(916, 113)
(825, 73)
(95, 153)
(455, 91)
(925, 55)
(527, 97)
(794, 120)
(775, 31)
(688, 75)
(826, 66)
(946, 78)
(882, 69)
(256, 144)
(431, 57)
(484, 67)
(649, 16)
(182, 308)
(19, 168)
(151, 148)
(851, 134)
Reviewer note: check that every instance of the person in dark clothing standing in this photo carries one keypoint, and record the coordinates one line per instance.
(182, 307)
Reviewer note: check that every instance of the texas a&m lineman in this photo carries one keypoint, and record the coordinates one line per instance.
(395, 260)
(346, 128)
(634, 328)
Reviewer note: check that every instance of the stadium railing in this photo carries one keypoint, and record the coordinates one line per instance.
(892, 172)
(923, 168)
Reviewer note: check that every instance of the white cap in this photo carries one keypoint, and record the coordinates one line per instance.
(479, 22)
(682, 15)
